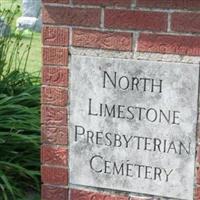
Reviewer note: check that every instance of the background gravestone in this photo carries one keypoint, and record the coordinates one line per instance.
(31, 8)
(30, 18)
(4, 28)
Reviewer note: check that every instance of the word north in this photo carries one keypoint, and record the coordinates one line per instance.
(131, 83)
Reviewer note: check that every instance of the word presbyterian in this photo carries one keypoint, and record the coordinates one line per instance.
(102, 166)
(135, 142)
(133, 113)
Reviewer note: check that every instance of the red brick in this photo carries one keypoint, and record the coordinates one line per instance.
(54, 193)
(182, 45)
(54, 96)
(55, 56)
(197, 193)
(186, 22)
(169, 4)
(141, 20)
(54, 155)
(54, 175)
(71, 16)
(102, 40)
(57, 76)
(80, 195)
(103, 2)
(56, 1)
(54, 135)
(198, 129)
(54, 36)
(54, 116)
(198, 175)
(198, 155)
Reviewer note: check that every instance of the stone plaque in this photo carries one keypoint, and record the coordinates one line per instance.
(133, 125)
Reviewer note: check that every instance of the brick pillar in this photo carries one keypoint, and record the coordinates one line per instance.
(166, 30)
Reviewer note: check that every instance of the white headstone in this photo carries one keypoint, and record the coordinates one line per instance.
(31, 23)
(31, 15)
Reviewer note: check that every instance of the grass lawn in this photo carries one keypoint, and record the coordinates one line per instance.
(34, 62)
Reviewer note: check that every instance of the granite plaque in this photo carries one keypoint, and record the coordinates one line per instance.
(133, 125)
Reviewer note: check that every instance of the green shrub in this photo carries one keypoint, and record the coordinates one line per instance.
(19, 116)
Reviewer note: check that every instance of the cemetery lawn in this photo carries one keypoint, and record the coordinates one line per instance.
(34, 61)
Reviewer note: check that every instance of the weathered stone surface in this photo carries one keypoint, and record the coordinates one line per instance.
(133, 125)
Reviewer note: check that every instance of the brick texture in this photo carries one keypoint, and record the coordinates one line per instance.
(71, 16)
(54, 135)
(141, 20)
(56, 76)
(83, 195)
(198, 154)
(169, 4)
(54, 155)
(54, 96)
(102, 40)
(54, 193)
(54, 175)
(104, 2)
(56, 1)
(182, 45)
(197, 193)
(198, 175)
(55, 56)
(55, 36)
(186, 22)
(54, 116)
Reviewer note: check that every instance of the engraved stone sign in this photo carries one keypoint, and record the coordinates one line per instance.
(133, 125)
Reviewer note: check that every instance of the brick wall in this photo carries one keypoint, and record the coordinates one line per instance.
(151, 29)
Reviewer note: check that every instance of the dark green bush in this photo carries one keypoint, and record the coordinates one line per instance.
(19, 116)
